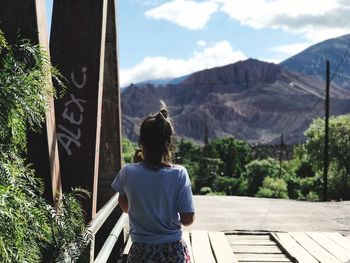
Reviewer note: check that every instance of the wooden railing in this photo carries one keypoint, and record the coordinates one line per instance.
(96, 223)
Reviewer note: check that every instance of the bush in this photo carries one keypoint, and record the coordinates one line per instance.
(273, 188)
(129, 149)
(205, 190)
(226, 184)
(312, 196)
(256, 171)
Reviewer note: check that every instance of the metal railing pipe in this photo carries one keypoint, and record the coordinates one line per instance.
(112, 238)
(101, 216)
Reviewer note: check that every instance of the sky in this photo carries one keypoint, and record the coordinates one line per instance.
(166, 39)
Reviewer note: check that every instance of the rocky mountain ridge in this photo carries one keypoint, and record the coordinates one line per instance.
(312, 61)
(250, 100)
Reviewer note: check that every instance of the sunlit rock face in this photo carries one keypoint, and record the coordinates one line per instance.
(250, 100)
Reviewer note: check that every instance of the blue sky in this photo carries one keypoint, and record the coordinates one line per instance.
(164, 39)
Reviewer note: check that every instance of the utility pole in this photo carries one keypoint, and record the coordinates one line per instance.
(281, 155)
(326, 136)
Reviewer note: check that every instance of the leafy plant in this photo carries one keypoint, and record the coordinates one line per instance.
(69, 235)
(339, 152)
(129, 148)
(273, 188)
(24, 72)
(30, 229)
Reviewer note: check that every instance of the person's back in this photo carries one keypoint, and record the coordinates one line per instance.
(155, 198)
(157, 195)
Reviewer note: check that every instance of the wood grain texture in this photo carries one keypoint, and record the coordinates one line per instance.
(201, 247)
(221, 248)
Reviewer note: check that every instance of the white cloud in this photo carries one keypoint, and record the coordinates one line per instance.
(186, 13)
(315, 19)
(201, 43)
(221, 53)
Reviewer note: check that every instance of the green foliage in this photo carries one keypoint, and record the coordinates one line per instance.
(30, 229)
(312, 196)
(273, 188)
(339, 151)
(256, 171)
(188, 154)
(234, 154)
(208, 171)
(226, 166)
(205, 190)
(129, 149)
(69, 235)
(24, 72)
(24, 228)
(226, 184)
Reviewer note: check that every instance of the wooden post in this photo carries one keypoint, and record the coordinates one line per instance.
(326, 136)
(110, 147)
(77, 47)
(27, 19)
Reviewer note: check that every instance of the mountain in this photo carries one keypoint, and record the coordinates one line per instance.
(312, 61)
(250, 100)
(162, 82)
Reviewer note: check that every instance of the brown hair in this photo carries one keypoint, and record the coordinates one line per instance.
(157, 138)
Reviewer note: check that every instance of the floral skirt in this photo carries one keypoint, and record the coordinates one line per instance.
(174, 252)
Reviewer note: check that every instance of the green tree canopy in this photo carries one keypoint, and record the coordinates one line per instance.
(339, 149)
(256, 171)
(234, 154)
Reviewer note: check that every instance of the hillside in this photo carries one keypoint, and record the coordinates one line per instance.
(250, 100)
(312, 61)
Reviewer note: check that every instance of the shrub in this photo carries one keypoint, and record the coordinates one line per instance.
(273, 188)
(256, 171)
(205, 190)
(226, 184)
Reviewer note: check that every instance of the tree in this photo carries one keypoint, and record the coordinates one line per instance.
(129, 148)
(188, 154)
(234, 154)
(339, 151)
(256, 171)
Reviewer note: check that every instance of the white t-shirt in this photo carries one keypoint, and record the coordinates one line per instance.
(155, 200)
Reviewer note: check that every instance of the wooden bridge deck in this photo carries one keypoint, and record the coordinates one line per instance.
(264, 247)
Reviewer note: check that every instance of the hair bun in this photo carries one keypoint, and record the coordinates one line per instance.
(163, 109)
(164, 112)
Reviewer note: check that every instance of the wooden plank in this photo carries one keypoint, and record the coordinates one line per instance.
(339, 239)
(293, 248)
(256, 249)
(262, 258)
(314, 248)
(221, 248)
(201, 247)
(331, 246)
(251, 242)
(186, 238)
(248, 237)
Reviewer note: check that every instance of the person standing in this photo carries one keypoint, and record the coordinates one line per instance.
(157, 196)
